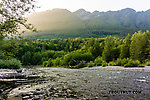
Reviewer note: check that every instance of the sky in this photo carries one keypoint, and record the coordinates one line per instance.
(92, 5)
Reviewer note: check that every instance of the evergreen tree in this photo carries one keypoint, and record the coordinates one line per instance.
(26, 58)
(37, 58)
(138, 47)
(95, 49)
(108, 49)
(124, 52)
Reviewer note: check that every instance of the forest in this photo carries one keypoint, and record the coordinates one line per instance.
(131, 51)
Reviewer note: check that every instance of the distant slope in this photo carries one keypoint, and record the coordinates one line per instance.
(61, 23)
(56, 20)
(125, 20)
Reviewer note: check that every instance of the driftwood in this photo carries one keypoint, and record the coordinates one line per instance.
(8, 75)
(12, 80)
(18, 76)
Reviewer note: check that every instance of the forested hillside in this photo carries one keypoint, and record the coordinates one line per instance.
(61, 23)
(80, 52)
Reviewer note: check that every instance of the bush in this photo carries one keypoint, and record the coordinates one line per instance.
(81, 65)
(45, 64)
(98, 61)
(10, 64)
(112, 63)
(118, 62)
(68, 60)
(74, 58)
(124, 61)
(86, 56)
(148, 63)
(104, 63)
(132, 63)
(91, 64)
(52, 54)
(57, 62)
(49, 63)
(121, 62)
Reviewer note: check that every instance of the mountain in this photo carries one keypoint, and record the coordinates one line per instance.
(81, 23)
(56, 20)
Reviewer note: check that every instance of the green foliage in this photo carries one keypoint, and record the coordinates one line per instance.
(37, 58)
(27, 58)
(112, 63)
(12, 12)
(95, 48)
(52, 54)
(132, 63)
(121, 62)
(148, 63)
(44, 63)
(49, 63)
(91, 64)
(139, 43)
(98, 61)
(124, 52)
(73, 58)
(81, 65)
(108, 49)
(78, 51)
(126, 62)
(10, 64)
(104, 63)
(57, 62)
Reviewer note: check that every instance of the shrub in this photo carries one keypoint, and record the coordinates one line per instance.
(132, 63)
(44, 59)
(148, 63)
(74, 58)
(87, 56)
(48, 54)
(49, 63)
(44, 63)
(104, 63)
(118, 62)
(81, 65)
(10, 64)
(112, 63)
(91, 64)
(124, 61)
(98, 61)
(121, 62)
(52, 54)
(68, 60)
(57, 62)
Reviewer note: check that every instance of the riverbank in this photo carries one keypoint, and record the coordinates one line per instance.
(111, 82)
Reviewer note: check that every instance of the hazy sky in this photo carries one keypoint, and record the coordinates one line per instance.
(92, 5)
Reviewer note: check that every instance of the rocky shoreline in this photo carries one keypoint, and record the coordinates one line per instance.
(85, 83)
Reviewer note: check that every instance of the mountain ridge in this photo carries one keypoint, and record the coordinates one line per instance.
(87, 23)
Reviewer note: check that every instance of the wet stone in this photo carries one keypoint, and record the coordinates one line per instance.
(25, 97)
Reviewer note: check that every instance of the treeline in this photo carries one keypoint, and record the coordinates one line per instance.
(131, 51)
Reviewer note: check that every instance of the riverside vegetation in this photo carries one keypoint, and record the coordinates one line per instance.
(131, 51)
